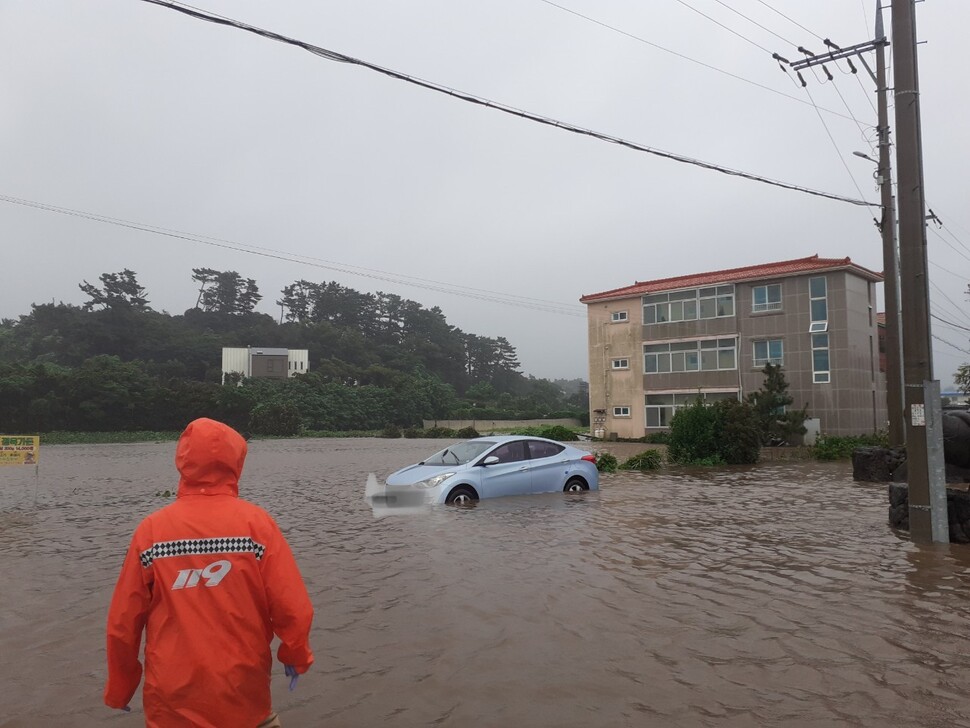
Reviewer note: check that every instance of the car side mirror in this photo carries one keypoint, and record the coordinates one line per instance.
(490, 460)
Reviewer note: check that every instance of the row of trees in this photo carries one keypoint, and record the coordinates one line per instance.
(114, 363)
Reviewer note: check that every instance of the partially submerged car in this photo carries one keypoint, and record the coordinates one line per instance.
(489, 467)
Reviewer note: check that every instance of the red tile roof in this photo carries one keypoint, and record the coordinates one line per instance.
(735, 275)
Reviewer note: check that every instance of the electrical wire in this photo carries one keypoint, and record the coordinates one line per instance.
(954, 346)
(950, 323)
(862, 130)
(755, 22)
(946, 270)
(437, 286)
(790, 20)
(951, 245)
(341, 58)
(839, 153)
(955, 308)
(722, 25)
(688, 58)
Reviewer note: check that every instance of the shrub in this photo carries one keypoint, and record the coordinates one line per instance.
(739, 439)
(647, 460)
(724, 432)
(391, 432)
(467, 433)
(661, 437)
(693, 435)
(413, 432)
(279, 419)
(558, 432)
(836, 447)
(440, 432)
(606, 462)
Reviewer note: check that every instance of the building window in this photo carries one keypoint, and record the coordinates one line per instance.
(661, 407)
(697, 303)
(708, 355)
(621, 363)
(819, 305)
(821, 373)
(770, 351)
(619, 317)
(621, 411)
(766, 298)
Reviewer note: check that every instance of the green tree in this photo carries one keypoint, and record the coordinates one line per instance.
(120, 291)
(225, 291)
(777, 424)
(962, 378)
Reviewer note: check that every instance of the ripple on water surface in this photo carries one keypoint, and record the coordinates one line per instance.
(771, 595)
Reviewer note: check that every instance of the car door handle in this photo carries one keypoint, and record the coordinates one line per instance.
(524, 467)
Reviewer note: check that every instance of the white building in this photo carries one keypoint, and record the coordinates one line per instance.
(264, 362)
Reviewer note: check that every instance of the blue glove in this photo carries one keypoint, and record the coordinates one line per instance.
(291, 673)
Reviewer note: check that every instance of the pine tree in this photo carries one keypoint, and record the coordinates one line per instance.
(777, 423)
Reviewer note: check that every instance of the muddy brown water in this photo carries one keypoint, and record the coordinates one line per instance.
(766, 596)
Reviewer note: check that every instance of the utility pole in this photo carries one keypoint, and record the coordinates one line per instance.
(919, 406)
(890, 260)
(924, 431)
(887, 226)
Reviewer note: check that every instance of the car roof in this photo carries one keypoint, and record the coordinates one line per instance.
(509, 438)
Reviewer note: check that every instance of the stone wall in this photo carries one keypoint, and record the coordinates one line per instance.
(957, 508)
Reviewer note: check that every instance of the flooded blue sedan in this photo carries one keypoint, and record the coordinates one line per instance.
(490, 467)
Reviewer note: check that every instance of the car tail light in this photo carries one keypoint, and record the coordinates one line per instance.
(590, 458)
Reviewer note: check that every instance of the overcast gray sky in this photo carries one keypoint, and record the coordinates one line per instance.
(136, 112)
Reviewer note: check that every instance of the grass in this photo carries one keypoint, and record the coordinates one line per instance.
(105, 438)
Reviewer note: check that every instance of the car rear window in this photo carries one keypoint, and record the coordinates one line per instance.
(539, 449)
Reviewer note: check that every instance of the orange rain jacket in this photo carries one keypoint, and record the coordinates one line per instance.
(211, 579)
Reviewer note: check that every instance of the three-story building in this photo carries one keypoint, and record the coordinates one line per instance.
(656, 346)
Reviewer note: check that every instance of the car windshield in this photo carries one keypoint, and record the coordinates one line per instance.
(459, 453)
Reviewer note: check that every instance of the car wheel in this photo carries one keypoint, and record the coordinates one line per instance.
(462, 496)
(575, 485)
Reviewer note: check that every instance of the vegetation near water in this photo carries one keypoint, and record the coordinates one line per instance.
(376, 361)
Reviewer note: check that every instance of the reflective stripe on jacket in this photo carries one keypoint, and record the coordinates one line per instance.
(210, 579)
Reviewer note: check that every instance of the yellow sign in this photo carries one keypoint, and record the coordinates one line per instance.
(19, 449)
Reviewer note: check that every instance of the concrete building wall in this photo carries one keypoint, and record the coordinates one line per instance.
(611, 387)
(274, 363)
(852, 401)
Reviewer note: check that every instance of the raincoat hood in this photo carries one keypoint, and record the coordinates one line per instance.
(209, 457)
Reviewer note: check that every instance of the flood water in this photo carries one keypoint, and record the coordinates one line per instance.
(766, 596)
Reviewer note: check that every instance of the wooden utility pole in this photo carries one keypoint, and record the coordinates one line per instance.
(924, 431)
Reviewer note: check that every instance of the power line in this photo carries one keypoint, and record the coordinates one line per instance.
(790, 20)
(688, 58)
(961, 350)
(837, 151)
(437, 286)
(956, 308)
(950, 323)
(951, 245)
(755, 22)
(341, 58)
(947, 271)
(722, 25)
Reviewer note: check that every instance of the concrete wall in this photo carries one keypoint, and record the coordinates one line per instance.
(491, 425)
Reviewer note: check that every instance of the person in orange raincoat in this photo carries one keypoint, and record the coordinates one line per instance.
(210, 579)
